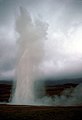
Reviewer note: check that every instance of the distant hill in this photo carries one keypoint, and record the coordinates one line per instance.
(60, 81)
(56, 86)
(5, 90)
(52, 87)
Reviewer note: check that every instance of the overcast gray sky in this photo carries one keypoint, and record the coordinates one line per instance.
(63, 47)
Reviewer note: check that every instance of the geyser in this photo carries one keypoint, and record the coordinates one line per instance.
(31, 50)
(31, 55)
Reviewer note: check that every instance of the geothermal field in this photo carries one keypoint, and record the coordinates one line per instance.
(40, 113)
(24, 112)
(32, 112)
(41, 60)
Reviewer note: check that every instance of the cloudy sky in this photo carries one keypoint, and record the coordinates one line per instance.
(63, 46)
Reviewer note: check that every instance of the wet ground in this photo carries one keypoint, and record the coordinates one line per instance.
(14, 112)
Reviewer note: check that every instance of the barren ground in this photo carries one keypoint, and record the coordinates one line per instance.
(14, 112)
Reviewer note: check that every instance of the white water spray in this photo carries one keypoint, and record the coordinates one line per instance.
(32, 34)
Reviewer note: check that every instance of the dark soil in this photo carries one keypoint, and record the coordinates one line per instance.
(14, 112)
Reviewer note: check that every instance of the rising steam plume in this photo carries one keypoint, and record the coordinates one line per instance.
(32, 35)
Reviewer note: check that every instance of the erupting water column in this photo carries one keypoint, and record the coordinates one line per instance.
(32, 34)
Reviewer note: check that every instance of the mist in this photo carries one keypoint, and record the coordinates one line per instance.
(31, 37)
(37, 58)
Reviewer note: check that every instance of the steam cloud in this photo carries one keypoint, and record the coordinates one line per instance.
(31, 52)
(71, 96)
(32, 35)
